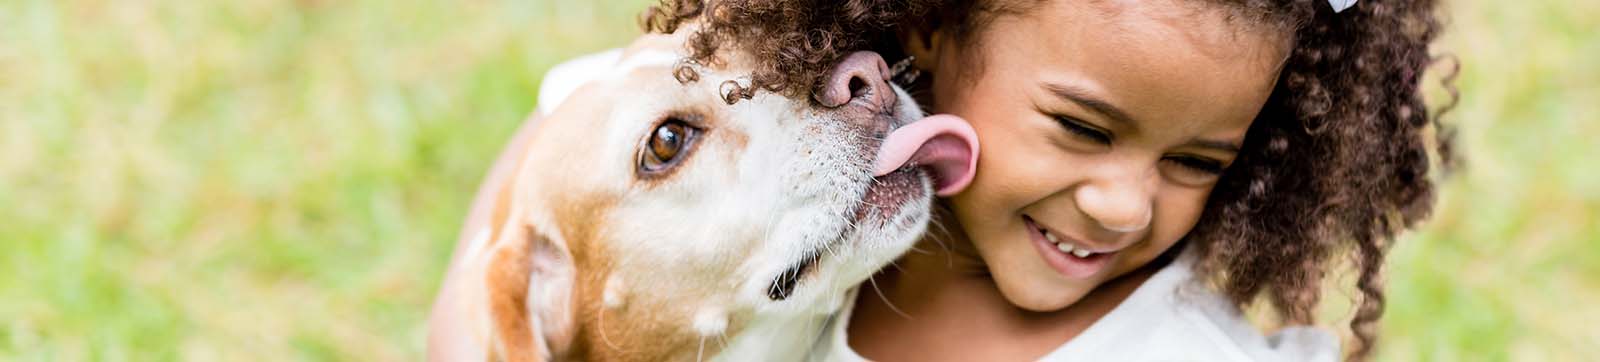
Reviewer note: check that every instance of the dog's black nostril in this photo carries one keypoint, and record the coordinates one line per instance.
(858, 87)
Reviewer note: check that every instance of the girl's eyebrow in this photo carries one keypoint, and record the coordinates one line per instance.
(1083, 98)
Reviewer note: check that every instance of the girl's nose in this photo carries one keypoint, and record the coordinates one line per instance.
(1119, 204)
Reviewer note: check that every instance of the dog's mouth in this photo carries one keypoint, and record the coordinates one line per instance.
(942, 148)
(885, 197)
(783, 286)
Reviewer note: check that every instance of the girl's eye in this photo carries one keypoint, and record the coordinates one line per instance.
(1204, 166)
(1080, 129)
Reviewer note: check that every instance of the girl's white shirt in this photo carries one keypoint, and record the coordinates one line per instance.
(1171, 317)
(1168, 318)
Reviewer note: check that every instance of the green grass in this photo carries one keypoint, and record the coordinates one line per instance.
(276, 180)
(1509, 268)
(253, 179)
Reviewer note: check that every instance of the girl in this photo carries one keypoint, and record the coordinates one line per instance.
(1148, 167)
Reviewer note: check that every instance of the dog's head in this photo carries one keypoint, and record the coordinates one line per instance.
(651, 219)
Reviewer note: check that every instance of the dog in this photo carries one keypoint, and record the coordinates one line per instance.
(648, 219)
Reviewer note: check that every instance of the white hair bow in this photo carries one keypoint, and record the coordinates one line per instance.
(1340, 5)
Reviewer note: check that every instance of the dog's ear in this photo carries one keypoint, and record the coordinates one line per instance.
(530, 279)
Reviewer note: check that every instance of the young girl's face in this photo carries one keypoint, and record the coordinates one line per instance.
(1103, 125)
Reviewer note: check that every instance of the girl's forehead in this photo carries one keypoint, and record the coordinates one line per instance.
(1205, 26)
(1160, 60)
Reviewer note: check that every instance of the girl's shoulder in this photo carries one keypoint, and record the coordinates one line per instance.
(1171, 317)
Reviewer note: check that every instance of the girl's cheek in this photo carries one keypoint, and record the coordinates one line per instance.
(1176, 214)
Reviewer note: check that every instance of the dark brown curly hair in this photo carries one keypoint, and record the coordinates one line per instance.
(1336, 164)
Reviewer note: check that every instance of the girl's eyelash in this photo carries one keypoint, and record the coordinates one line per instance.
(1076, 127)
(1198, 164)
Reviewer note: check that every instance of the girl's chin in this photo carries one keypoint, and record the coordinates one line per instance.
(1038, 294)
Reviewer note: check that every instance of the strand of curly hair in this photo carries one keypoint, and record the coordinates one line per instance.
(1336, 164)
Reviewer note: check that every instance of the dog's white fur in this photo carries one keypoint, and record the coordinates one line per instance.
(678, 267)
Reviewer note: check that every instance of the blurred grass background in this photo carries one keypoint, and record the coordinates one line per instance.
(283, 180)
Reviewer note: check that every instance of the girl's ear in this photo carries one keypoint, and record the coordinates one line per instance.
(923, 44)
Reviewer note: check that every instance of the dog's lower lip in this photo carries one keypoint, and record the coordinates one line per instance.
(787, 281)
(887, 194)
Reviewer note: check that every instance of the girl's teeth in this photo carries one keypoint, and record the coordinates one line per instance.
(1064, 247)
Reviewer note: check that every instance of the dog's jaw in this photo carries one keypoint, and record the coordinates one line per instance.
(882, 220)
(895, 204)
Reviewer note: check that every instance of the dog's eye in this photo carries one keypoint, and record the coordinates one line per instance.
(667, 141)
(667, 145)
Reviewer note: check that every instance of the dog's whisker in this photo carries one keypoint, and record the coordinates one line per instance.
(828, 248)
(885, 299)
(700, 354)
(896, 266)
(949, 254)
(937, 228)
(772, 219)
(940, 237)
(821, 323)
(941, 230)
(600, 323)
(869, 137)
(903, 73)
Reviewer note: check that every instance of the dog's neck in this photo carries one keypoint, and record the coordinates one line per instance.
(686, 330)
(774, 335)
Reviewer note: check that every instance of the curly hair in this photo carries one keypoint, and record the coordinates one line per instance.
(1337, 163)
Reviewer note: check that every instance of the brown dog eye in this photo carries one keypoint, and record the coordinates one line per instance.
(668, 143)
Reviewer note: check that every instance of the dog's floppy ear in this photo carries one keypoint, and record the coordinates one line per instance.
(530, 279)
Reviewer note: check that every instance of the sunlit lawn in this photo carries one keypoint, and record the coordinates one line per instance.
(271, 180)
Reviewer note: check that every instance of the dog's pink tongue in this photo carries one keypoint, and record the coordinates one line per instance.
(945, 144)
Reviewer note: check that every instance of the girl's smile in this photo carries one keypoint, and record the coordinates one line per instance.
(1072, 258)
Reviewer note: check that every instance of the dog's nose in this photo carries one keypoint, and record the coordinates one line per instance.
(862, 76)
